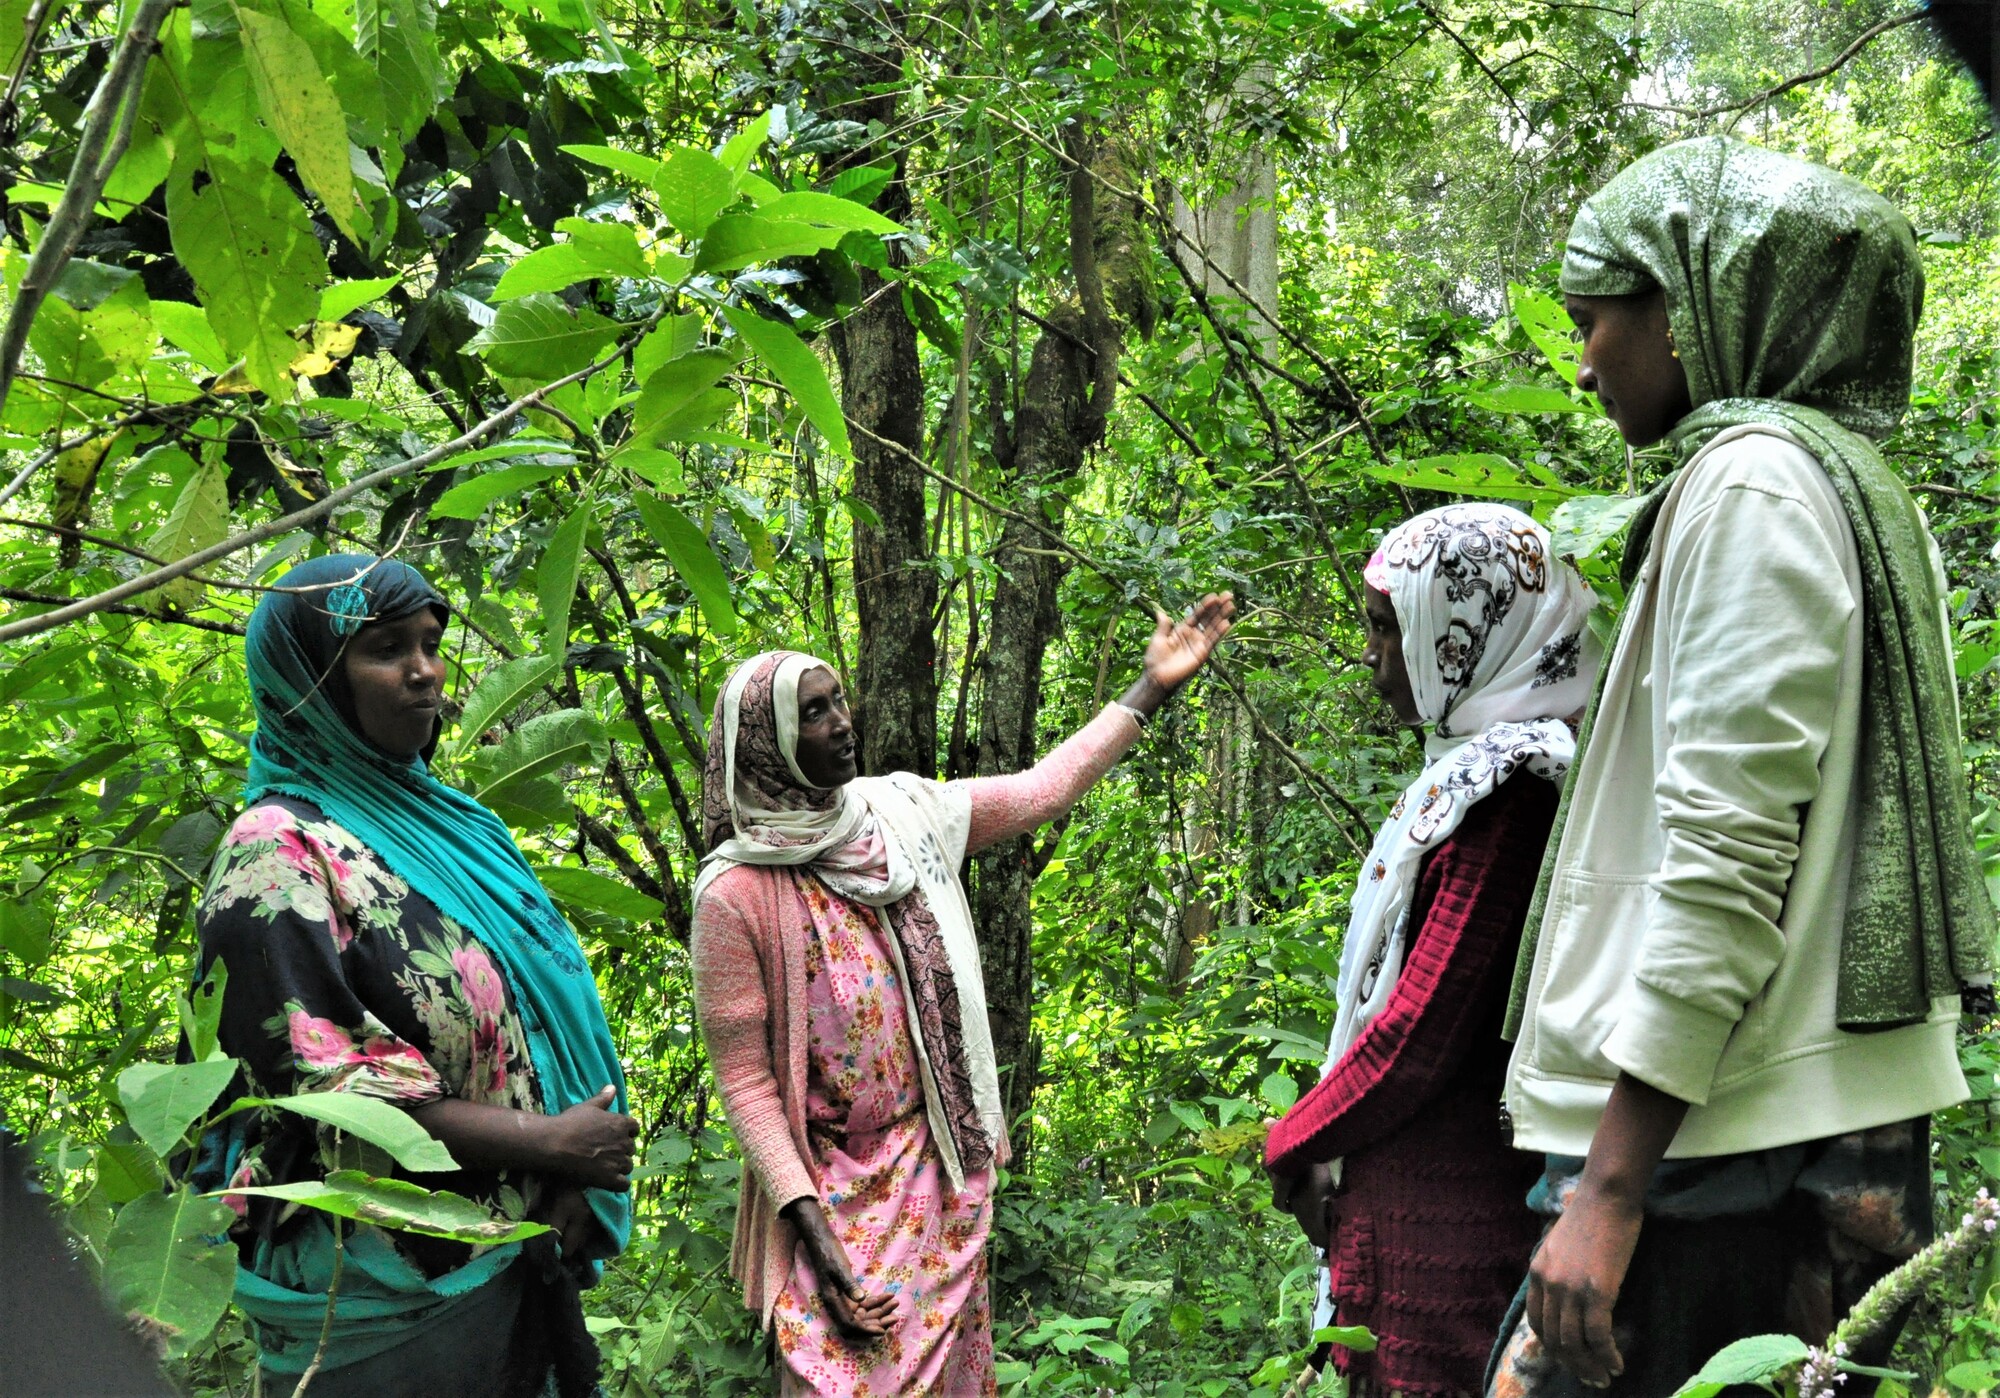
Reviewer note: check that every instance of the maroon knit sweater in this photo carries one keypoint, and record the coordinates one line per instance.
(1431, 1231)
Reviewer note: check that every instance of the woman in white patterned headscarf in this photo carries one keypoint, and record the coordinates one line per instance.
(1397, 1163)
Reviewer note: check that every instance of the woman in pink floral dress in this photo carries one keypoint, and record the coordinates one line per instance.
(837, 981)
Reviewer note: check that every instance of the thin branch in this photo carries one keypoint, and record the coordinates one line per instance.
(1777, 90)
(107, 130)
(326, 1326)
(319, 509)
(1437, 22)
(43, 599)
(1953, 492)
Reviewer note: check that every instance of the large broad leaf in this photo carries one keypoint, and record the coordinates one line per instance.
(400, 38)
(500, 692)
(670, 389)
(1355, 1337)
(373, 1120)
(688, 550)
(556, 574)
(639, 169)
(403, 1206)
(469, 499)
(1524, 398)
(162, 1100)
(24, 931)
(551, 269)
(186, 328)
(126, 1168)
(344, 298)
(302, 109)
(828, 211)
(693, 187)
(1757, 1360)
(167, 1259)
(798, 369)
(541, 746)
(1548, 325)
(1583, 525)
(245, 239)
(200, 517)
(597, 894)
(537, 337)
(742, 148)
(1476, 473)
(201, 1013)
(737, 240)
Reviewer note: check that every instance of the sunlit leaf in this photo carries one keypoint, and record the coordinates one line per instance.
(162, 1100)
(501, 691)
(400, 1205)
(302, 109)
(167, 1259)
(799, 370)
(688, 549)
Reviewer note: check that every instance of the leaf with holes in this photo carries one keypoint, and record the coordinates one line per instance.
(799, 370)
(1479, 473)
(403, 1206)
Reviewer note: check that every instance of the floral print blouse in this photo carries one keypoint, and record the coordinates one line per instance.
(342, 978)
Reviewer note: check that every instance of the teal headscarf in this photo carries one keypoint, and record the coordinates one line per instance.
(458, 854)
(1793, 294)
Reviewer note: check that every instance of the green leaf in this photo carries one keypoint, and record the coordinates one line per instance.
(168, 1260)
(24, 931)
(1974, 1375)
(14, 31)
(545, 269)
(827, 211)
(188, 842)
(595, 893)
(862, 183)
(1548, 325)
(400, 38)
(1583, 524)
(639, 169)
(742, 148)
(126, 1168)
(1524, 398)
(1355, 1337)
(537, 337)
(371, 1119)
(1475, 473)
(200, 517)
(162, 1100)
(799, 370)
(469, 499)
(688, 550)
(304, 112)
(610, 246)
(245, 239)
(541, 746)
(1280, 1090)
(344, 298)
(1758, 1359)
(186, 327)
(659, 469)
(201, 1012)
(693, 187)
(671, 389)
(556, 574)
(500, 692)
(673, 337)
(738, 240)
(402, 1206)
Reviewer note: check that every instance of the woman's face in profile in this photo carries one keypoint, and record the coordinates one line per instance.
(827, 752)
(1383, 655)
(395, 674)
(1629, 362)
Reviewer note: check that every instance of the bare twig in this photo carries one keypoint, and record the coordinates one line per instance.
(43, 599)
(1777, 90)
(319, 509)
(107, 130)
(1437, 23)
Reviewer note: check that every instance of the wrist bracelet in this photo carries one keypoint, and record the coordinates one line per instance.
(1137, 717)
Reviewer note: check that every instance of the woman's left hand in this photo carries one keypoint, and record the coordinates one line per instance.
(567, 1211)
(1179, 648)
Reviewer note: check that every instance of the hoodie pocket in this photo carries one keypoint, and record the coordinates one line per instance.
(1592, 931)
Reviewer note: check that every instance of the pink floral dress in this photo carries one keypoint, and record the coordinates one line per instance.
(905, 1230)
(342, 978)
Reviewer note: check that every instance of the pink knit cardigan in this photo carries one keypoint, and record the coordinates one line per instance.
(750, 935)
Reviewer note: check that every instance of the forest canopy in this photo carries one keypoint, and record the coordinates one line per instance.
(947, 342)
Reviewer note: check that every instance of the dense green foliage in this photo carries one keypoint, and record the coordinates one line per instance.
(349, 237)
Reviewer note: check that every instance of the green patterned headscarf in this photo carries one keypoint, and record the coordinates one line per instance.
(1793, 294)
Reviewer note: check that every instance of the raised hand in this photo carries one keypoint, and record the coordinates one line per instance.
(1179, 648)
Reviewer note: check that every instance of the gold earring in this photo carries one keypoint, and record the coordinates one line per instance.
(1672, 348)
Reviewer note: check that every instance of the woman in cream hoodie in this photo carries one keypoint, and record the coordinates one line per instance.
(1736, 998)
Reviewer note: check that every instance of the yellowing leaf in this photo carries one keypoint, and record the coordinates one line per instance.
(330, 343)
(302, 109)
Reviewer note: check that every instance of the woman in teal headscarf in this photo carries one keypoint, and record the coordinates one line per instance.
(1737, 993)
(383, 936)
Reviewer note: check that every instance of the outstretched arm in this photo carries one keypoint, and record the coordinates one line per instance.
(1005, 806)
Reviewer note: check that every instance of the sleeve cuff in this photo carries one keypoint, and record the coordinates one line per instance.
(1669, 1044)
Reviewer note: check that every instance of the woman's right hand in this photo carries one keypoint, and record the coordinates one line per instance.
(593, 1145)
(860, 1315)
(1308, 1197)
